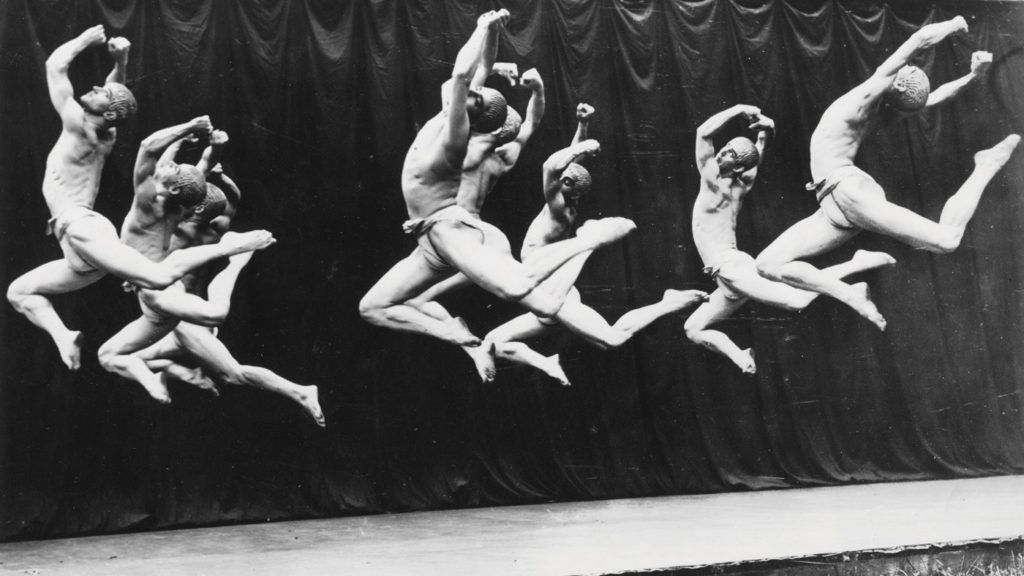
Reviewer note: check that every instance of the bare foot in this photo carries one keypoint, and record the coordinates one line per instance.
(70, 348)
(605, 231)
(553, 367)
(157, 389)
(458, 333)
(996, 156)
(309, 399)
(236, 242)
(745, 361)
(202, 381)
(867, 260)
(679, 299)
(483, 358)
(861, 302)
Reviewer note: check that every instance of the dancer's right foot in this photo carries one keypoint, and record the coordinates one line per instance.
(237, 242)
(681, 299)
(861, 302)
(745, 361)
(157, 389)
(998, 155)
(867, 260)
(70, 348)
(483, 359)
(309, 399)
(458, 333)
(605, 231)
(553, 367)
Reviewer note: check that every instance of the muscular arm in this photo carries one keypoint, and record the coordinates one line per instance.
(583, 112)
(487, 58)
(466, 64)
(212, 153)
(553, 168)
(118, 49)
(62, 93)
(152, 150)
(705, 147)
(925, 37)
(980, 62)
(534, 113)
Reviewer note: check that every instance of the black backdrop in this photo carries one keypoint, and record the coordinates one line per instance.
(322, 98)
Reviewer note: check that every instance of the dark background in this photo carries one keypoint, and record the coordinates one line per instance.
(321, 100)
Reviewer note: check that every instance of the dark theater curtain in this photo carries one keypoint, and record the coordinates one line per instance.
(321, 100)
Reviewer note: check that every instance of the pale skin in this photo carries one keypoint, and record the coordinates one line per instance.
(149, 228)
(72, 175)
(714, 232)
(556, 221)
(192, 337)
(431, 178)
(834, 144)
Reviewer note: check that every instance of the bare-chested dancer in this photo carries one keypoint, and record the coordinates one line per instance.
(725, 179)
(164, 191)
(565, 183)
(451, 239)
(851, 201)
(88, 240)
(195, 337)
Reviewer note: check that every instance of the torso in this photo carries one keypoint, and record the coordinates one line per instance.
(714, 216)
(150, 225)
(73, 168)
(188, 234)
(546, 229)
(480, 172)
(842, 127)
(428, 182)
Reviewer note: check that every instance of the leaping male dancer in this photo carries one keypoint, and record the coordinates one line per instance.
(851, 201)
(164, 192)
(195, 337)
(565, 183)
(451, 239)
(88, 241)
(725, 179)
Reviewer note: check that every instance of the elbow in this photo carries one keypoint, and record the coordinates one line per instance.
(462, 76)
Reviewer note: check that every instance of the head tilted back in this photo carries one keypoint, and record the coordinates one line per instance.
(745, 152)
(189, 186)
(510, 129)
(580, 177)
(492, 111)
(909, 91)
(122, 103)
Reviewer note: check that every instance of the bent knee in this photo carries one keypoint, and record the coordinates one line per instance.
(17, 292)
(947, 243)
(769, 267)
(372, 309)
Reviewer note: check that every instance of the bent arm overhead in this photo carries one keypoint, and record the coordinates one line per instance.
(924, 38)
(152, 149)
(705, 147)
(466, 63)
(118, 49)
(62, 93)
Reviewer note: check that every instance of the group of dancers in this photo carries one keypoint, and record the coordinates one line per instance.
(174, 240)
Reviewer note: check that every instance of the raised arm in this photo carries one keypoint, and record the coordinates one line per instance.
(466, 64)
(487, 58)
(553, 168)
(62, 93)
(763, 125)
(152, 149)
(534, 113)
(980, 61)
(583, 113)
(925, 37)
(705, 147)
(118, 50)
(212, 153)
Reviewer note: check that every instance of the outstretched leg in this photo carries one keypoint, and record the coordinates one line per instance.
(719, 307)
(876, 214)
(507, 342)
(387, 303)
(117, 354)
(782, 261)
(214, 356)
(28, 296)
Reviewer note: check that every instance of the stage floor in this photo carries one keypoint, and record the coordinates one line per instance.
(603, 537)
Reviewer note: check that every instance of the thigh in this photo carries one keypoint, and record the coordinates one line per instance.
(873, 212)
(96, 241)
(405, 281)
(809, 237)
(209, 351)
(166, 348)
(56, 277)
(136, 336)
(463, 248)
(521, 327)
(740, 275)
(443, 287)
(719, 306)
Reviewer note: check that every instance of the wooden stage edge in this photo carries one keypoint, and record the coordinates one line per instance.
(583, 538)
